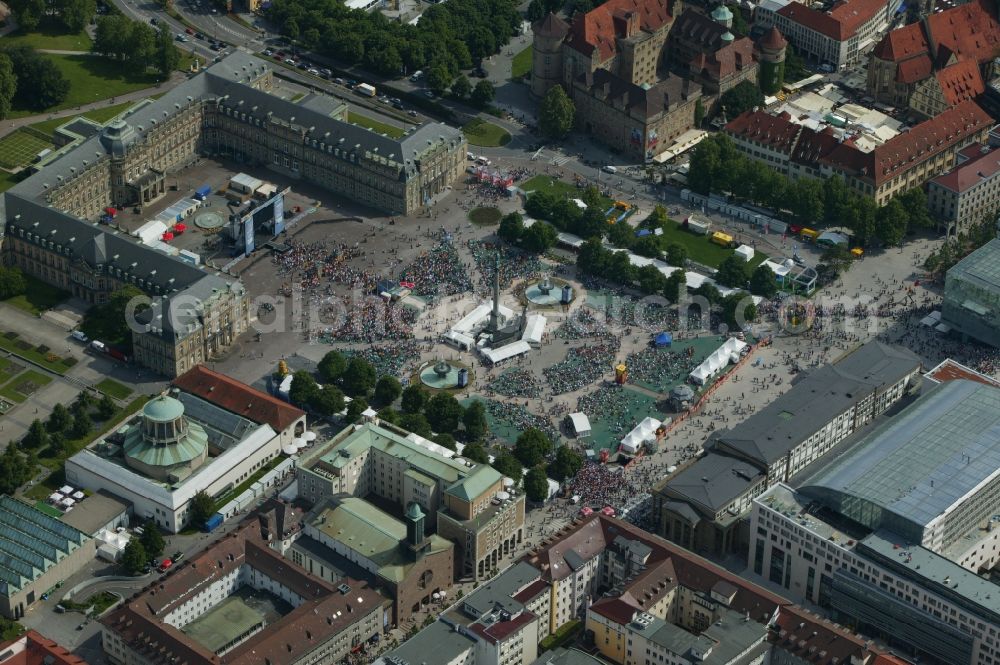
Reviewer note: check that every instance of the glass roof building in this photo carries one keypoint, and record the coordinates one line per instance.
(972, 295)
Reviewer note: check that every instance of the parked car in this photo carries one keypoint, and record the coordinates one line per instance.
(154, 21)
(413, 113)
(398, 104)
(189, 31)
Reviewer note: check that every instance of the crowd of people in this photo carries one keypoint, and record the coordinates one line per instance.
(583, 365)
(438, 272)
(659, 369)
(583, 324)
(514, 264)
(517, 418)
(516, 382)
(614, 407)
(389, 360)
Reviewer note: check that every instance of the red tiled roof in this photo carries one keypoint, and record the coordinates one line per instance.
(727, 60)
(961, 81)
(774, 40)
(971, 173)
(902, 43)
(778, 132)
(840, 23)
(615, 609)
(501, 630)
(914, 69)
(531, 591)
(597, 30)
(33, 648)
(239, 398)
(952, 370)
(815, 640)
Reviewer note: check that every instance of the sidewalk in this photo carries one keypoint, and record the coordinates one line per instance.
(7, 126)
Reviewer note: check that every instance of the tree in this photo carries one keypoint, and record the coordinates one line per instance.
(511, 228)
(838, 257)
(536, 11)
(890, 223)
(915, 202)
(134, 557)
(508, 466)
(438, 79)
(202, 508)
(106, 408)
(742, 97)
(532, 446)
(461, 87)
(59, 420)
(672, 286)
(416, 423)
(539, 238)
(389, 415)
(387, 390)
(738, 309)
(332, 366)
(699, 112)
(805, 200)
(414, 399)
(677, 255)
(536, 484)
(566, 464)
(474, 420)
(355, 409)
(303, 389)
(151, 539)
(443, 412)
(59, 445)
(40, 83)
(445, 439)
(16, 469)
(108, 322)
(732, 272)
(651, 280)
(482, 94)
(591, 196)
(28, 13)
(139, 43)
(556, 113)
(167, 56)
(706, 160)
(75, 14)
(37, 436)
(763, 283)
(8, 85)
(327, 401)
(359, 378)
(474, 451)
(82, 425)
(84, 401)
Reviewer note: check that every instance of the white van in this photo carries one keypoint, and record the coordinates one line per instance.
(416, 75)
(483, 161)
(609, 169)
(79, 336)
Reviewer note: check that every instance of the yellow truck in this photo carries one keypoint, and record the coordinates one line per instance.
(723, 239)
(809, 235)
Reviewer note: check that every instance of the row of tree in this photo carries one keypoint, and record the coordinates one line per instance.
(137, 46)
(717, 166)
(63, 425)
(479, 95)
(533, 450)
(29, 80)
(68, 15)
(453, 34)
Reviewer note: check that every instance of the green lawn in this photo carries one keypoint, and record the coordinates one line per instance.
(112, 388)
(23, 385)
(102, 116)
(485, 216)
(485, 134)
(39, 297)
(32, 354)
(50, 36)
(55, 464)
(20, 147)
(375, 125)
(91, 79)
(544, 183)
(700, 249)
(521, 64)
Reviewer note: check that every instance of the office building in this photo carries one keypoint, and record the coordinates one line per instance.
(346, 536)
(837, 34)
(703, 506)
(892, 533)
(239, 602)
(36, 552)
(968, 194)
(208, 433)
(971, 304)
(466, 503)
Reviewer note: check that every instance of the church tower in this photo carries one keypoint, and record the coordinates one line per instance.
(772, 61)
(546, 53)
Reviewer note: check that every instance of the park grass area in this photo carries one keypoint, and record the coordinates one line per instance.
(520, 66)
(73, 446)
(702, 250)
(92, 79)
(20, 147)
(26, 351)
(25, 384)
(559, 188)
(95, 605)
(48, 127)
(485, 216)
(51, 511)
(38, 297)
(52, 36)
(112, 388)
(485, 134)
(374, 125)
(42, 490)
(667, 381)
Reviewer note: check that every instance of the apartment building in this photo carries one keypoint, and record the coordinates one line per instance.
(968, 194)
(462, 502)
(839, 34)
(905, 161)
(703, 506)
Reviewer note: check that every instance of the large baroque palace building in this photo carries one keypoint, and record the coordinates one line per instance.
(50, 228)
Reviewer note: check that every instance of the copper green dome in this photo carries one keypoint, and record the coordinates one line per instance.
(721, 14)
(163, 409)
(414, 512)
